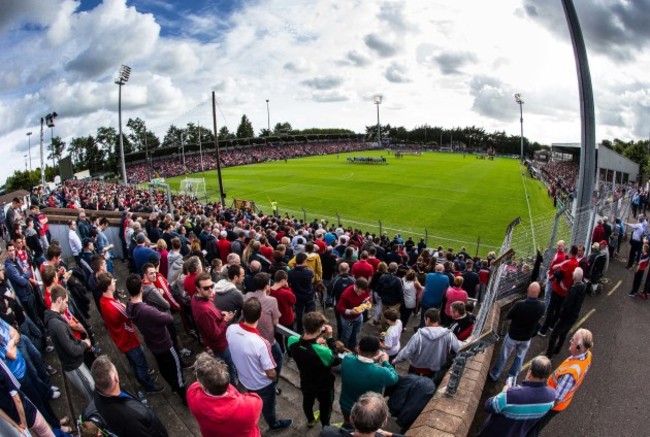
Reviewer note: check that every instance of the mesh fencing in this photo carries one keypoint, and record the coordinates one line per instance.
(529, 245)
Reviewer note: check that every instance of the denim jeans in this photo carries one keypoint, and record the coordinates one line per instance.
(227, 358)
(351, 330)
(268, 403)
(140, 367)
(301, 309)
(548, 291)
(276, 351)
(34, 359)
(509, 345)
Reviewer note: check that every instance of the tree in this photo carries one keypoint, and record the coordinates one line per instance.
(265, 133)
(225, 134)
(56, 148)
(245, 129)
(172, 137)
(282, 129)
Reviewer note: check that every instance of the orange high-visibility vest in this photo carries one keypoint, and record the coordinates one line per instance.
(577, 369)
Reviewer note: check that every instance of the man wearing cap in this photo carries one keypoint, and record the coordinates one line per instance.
(142, 252)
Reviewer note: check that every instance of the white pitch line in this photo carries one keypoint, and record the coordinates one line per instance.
(615, 288)
(530, 213)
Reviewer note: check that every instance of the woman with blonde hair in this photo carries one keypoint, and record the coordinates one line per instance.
(161, 248)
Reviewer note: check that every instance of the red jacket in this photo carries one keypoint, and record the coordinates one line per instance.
(567, 268)
(286, 300)
(222, 415)
(350, 300)
(118, 325)
(210, 323)
(362, 269)
(224, 249)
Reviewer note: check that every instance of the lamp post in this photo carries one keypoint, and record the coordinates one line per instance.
(378, 99)
(29, 148)
(268, 118)
(125, 72)
(49, 121)
(521, 121)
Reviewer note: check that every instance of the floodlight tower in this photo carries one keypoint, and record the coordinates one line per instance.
(378, 99)
(521, 122)
(122, 79)
(29, 148)
(49, 121)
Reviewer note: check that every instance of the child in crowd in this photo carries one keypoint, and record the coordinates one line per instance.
(390, 340)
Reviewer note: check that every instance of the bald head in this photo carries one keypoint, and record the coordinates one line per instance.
(540, 368)
(440, 268)
(578, 274)
(344, 268)
(533, 290)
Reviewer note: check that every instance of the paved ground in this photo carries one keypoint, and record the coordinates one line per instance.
(613, 398)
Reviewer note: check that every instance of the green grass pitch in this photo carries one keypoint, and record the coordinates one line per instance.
(456, 199)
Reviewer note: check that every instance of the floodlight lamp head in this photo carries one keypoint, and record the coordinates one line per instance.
(378, 99)
(125, 73)
(518, 98)
(49, 119)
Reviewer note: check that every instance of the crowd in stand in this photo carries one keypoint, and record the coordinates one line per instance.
(562, 175)
(234, 156)
(229, 278)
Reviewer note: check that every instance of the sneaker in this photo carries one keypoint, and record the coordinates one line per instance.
(631, 294)
(156, 389)
(51, 370)
(281, 424)
(55, 388)
(185, 352)
(315, 421)
(541, 334)
(278, 392)
(151, 371)
(55, 395)
(49, 348)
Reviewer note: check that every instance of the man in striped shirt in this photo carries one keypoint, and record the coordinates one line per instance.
(516, 410)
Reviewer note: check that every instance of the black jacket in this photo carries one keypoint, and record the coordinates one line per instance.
(390, 289)
(572, 304)
(69, 349)
(301, 280)
(128, 417)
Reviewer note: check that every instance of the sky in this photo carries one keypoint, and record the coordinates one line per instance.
(319, 63)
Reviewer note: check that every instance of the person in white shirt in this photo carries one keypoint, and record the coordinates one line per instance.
(254, 362)
(390, 340)
(75, 241)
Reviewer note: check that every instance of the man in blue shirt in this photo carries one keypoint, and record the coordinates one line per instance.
(142, 252)
(516, 410)
(434, 289)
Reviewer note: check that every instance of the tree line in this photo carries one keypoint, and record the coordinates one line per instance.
(99, 153)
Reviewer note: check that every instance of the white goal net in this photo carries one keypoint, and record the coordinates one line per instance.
(193, 187)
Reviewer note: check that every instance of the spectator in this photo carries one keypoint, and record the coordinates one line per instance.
(569, 376)
(254, 362)
(390, 291)
(568, 314)
(142, 253)
(315, 354)
(362, 268)
(70, 349)
(212, 322)
(270, 315)
(301, 279)
(462, 322)
(428, 350)
(152, 323)
(75, 242)
(390, 339)
(453, 294)
(525, 316)
(227, 296)
(412, 295)
(435, 286)
(369, 370)
(561, 287)
(517, 409)
(369, 414)
(354, 301)
(122, 412)
(342, 281)
(286, 300)
(216, 404)
(471, 281)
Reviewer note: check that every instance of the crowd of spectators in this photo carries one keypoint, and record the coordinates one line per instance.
(234, 156)
(221, 274)
(561, 175)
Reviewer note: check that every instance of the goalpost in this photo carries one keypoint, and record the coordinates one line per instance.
(193, 187)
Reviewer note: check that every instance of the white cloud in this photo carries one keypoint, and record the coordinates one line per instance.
(319, 63)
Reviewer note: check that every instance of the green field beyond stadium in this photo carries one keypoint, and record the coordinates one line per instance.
(456, 199)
